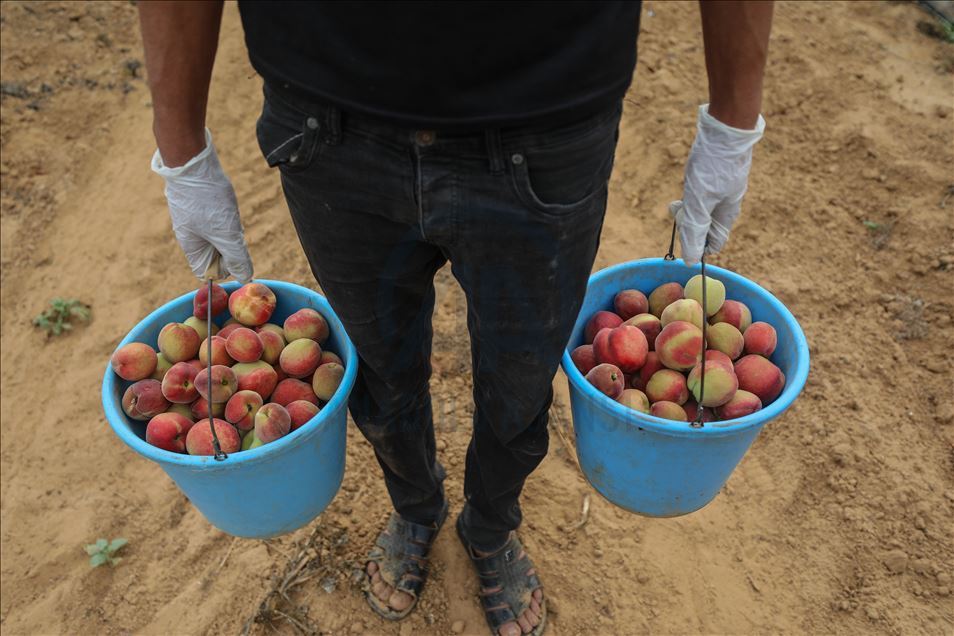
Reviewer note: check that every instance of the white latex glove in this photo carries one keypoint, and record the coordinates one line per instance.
(717, 175)
(205, 214)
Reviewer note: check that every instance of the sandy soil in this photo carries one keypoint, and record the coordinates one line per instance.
(840, 518)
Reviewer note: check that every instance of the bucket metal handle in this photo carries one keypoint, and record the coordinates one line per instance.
(214, 272)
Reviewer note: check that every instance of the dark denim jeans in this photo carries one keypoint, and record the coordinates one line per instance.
(517, 212)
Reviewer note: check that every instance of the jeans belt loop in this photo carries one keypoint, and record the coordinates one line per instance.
(332, 117)
(494, 151)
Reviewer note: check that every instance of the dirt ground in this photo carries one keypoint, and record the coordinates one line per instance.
(840, 518)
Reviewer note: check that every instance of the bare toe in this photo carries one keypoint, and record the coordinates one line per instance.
(400, 601)
(532, 617)
(510, 629)
(524, 623)
(382, 590)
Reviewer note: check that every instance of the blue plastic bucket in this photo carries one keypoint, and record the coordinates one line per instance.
(266, 491)
(664, 468)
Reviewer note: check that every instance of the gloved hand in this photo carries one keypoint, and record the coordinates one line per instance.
(717, 175)
(205, 214)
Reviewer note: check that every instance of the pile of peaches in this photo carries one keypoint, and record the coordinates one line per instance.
(267, 379)
(648, 353)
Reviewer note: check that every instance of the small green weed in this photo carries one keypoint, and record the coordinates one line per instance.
(58, 317)
(104, 551)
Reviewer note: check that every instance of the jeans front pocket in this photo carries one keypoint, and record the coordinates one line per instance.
(287, 138)
(558, 173)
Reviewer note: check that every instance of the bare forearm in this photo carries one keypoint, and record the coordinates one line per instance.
(180, 40)
(736, 35)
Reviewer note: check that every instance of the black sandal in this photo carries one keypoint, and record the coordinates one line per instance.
(509, 569)
(401, 552)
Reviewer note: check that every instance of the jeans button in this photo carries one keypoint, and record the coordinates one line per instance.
(424, 137)
(312, 123)
(517, 159)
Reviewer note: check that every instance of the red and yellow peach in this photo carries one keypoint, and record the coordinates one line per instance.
(629, 303)
(760, 339)
(291, 389)
(326, 380)
(759, 376)
(134, 361)
(144, 400)
(625, 347)
(179, 342)
(306, 323)
(199, 439)
(223, 383)
(742, 403)
(599, 321)
(720, 383)
(668, 411)
(715, 293)
(272, 422)
(667, 385)
(663, 296)
(244, 345)
(259, 376)
(252, 304)
(168, 431)
(607, 379)
(300, 412)
(634, 399)
(178, 385)
(726, 339)
(300, 357)
(679, 345)
(735, 313)
(241, 408)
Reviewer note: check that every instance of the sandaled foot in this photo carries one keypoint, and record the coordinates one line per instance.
(510, 592)
(397, 565)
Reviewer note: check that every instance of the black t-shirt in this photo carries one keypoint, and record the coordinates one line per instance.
(448, 64)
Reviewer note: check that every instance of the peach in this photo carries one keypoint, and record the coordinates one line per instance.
(625, 346)
(327, 379)
(726, 339)
(168, 431)
(144, 400)
(162, 365)
(272, 422)
(200, 409)
(252, 304)
(271, 326)
(760, 339)
(228, 328)
(178, 385)
(291, 389)
(742, 403)
(272, 345)
(646, 372)
(759, 376)
(663, 296)
(201, 327)
(179, 342)
(649, 325)
(328, 356)
(223, 385)
(691, 407)
(184, 410)
(241, 408)
(667, 385)
(685, 309)
(220, 354)
(220, 301)
(134, 361)
(668, 411)
(717, 356)
(583, 358)
(300, 357)
(197, 364)
(199, 439)
(634, 399)
(629, 303)
(250, 441)
(600, 320)
(679, 345)
(244, 345)
(306, 323)
(256, 376)
(715, 293)
(279, 374)
(735, 313)
(607, 379)
(721, 383)
(301, 411)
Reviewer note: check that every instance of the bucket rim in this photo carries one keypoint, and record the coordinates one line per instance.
(628, 416)
(117, 419)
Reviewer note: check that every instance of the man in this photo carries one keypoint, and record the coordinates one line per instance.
(412, 134)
